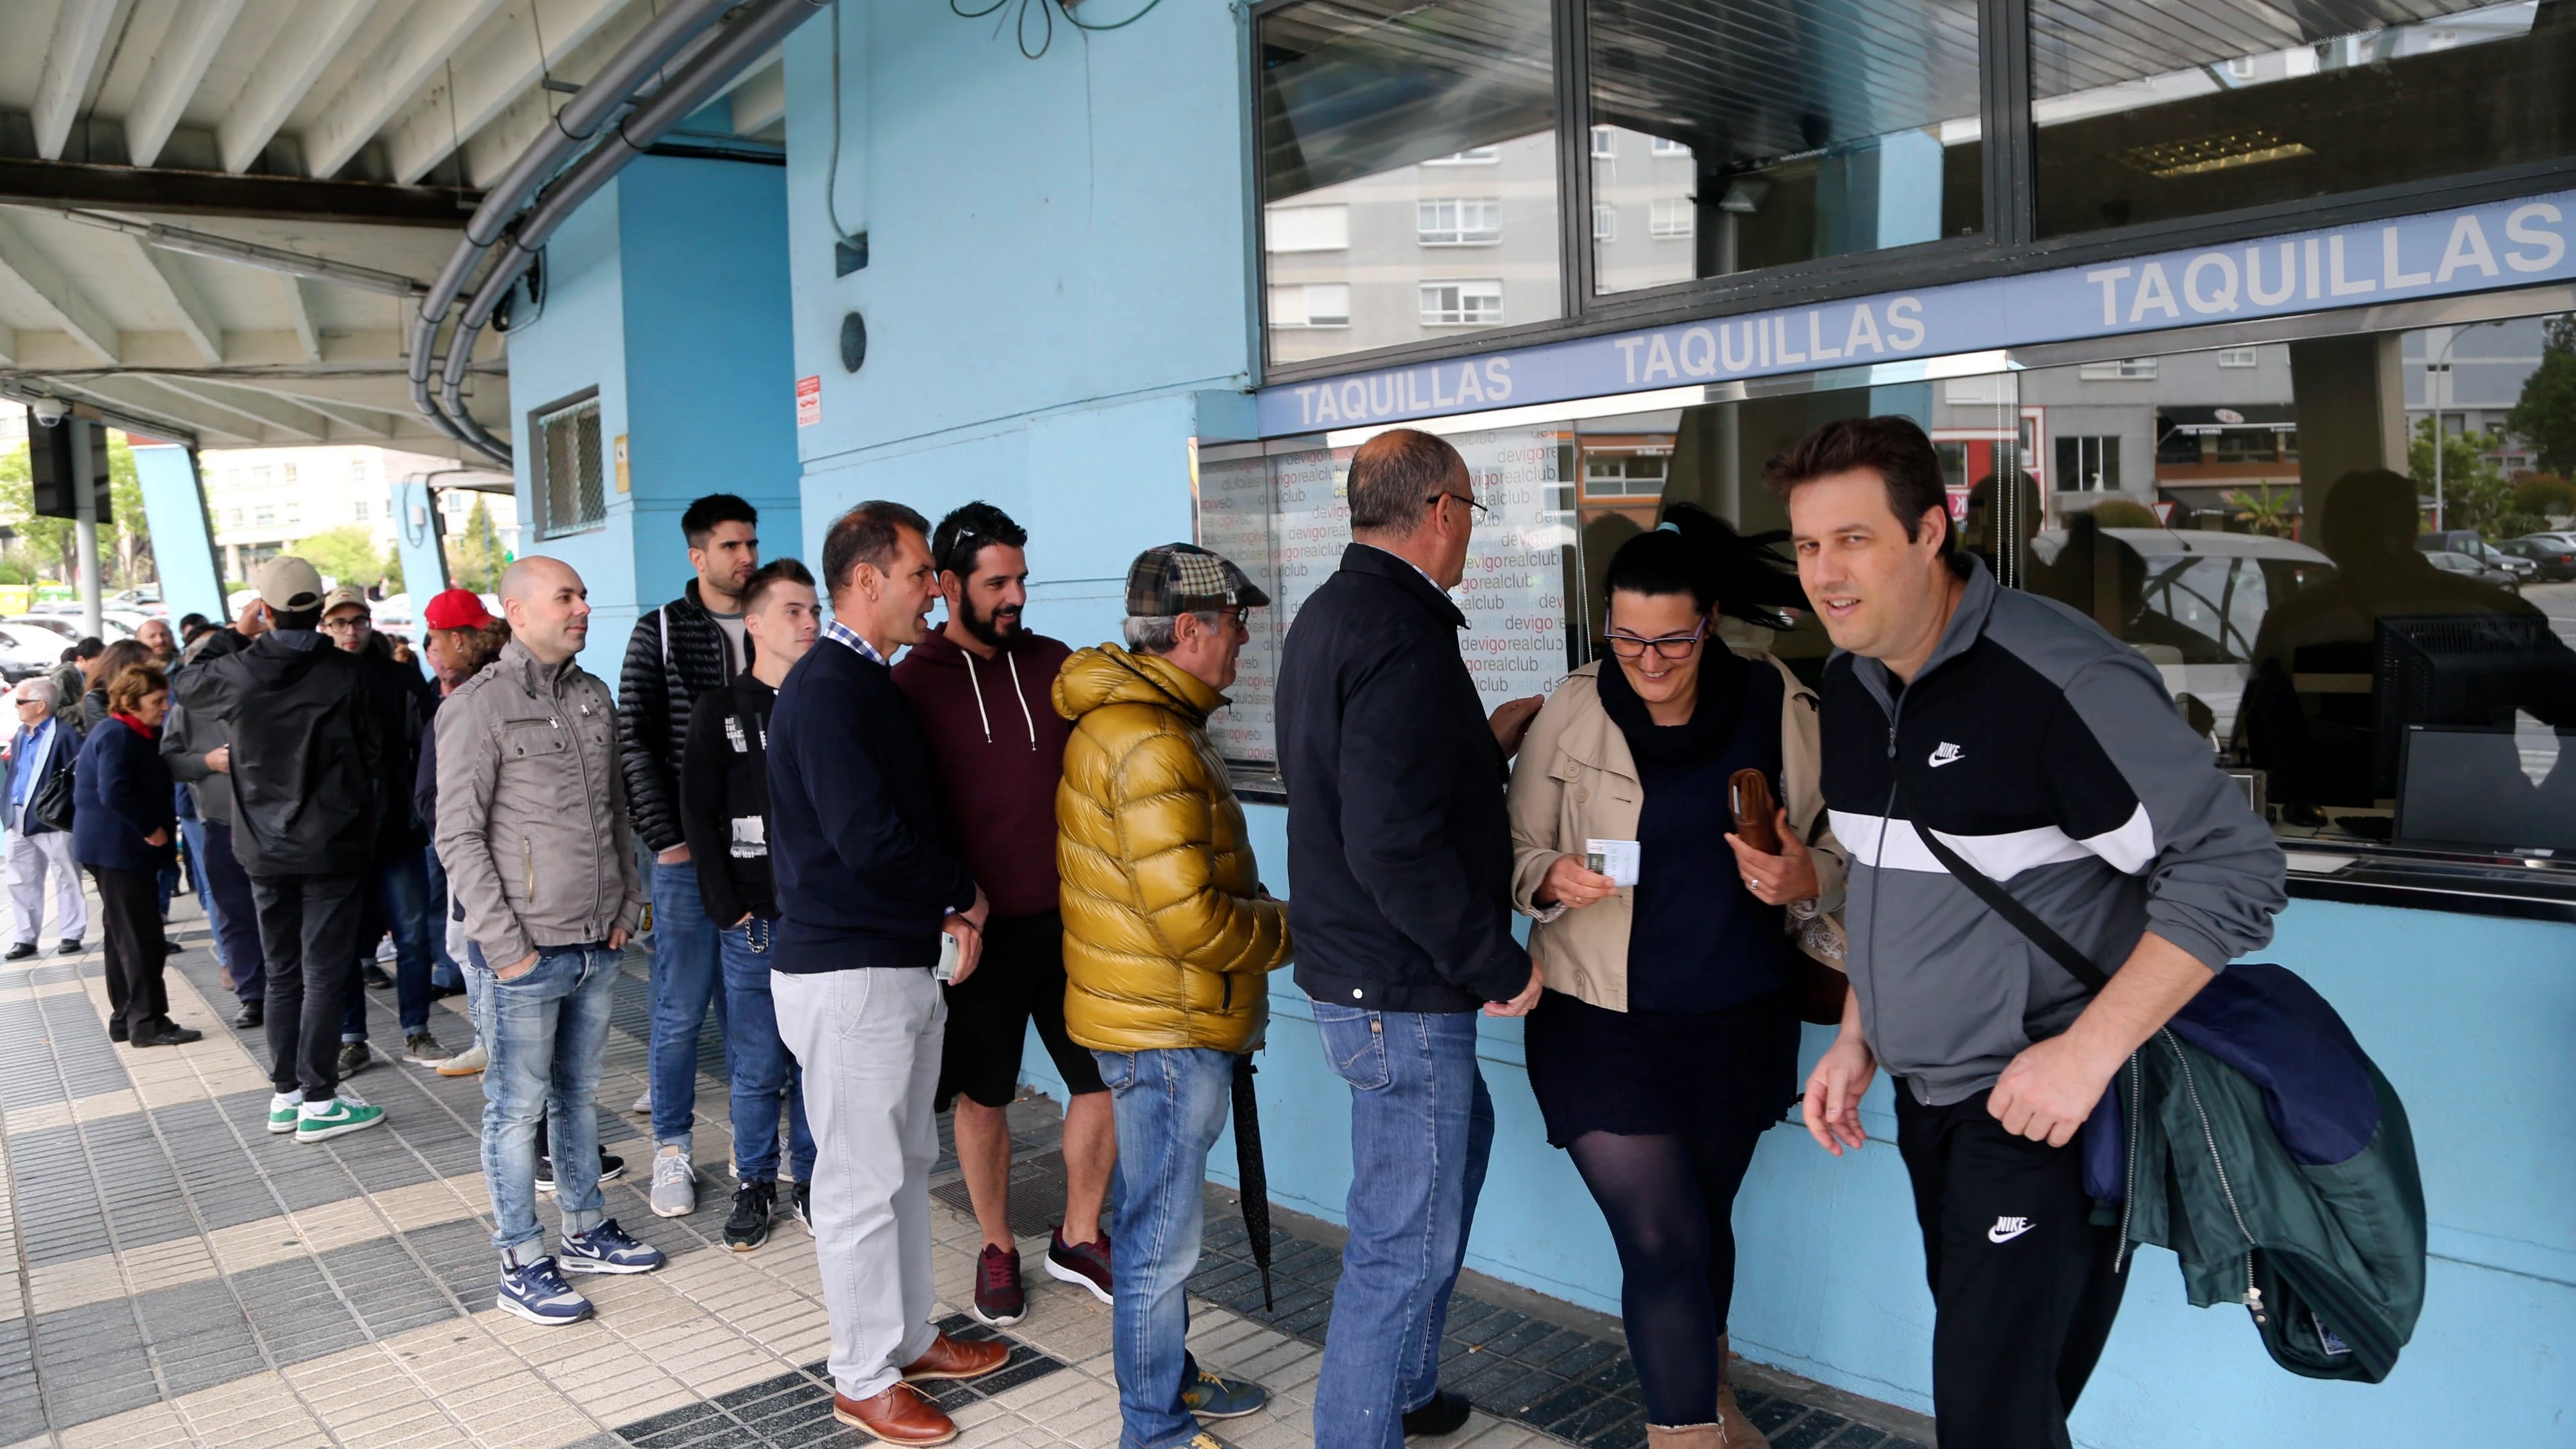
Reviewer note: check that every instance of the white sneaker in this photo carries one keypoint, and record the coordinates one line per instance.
(465, 1063)
(643, 1105)
(675, 1184)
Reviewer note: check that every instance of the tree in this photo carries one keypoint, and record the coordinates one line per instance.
(474, 555)
(45, 546)
(346, 554)
(2474, 494)
(2266, 511)
(2544, 495)
(2546, 413)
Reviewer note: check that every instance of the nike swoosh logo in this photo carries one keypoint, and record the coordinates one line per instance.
(2001, 1234)
(1937, 761)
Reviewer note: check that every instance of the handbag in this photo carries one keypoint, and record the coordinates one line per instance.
(1817, 988)
(51, 805)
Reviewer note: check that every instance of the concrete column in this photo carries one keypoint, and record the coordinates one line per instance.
(2351, 399)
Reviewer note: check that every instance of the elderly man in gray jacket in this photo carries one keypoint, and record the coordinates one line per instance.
(532, 830)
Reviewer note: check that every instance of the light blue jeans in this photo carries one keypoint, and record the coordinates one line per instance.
(688, 976)
(546, 1033)
(1169, 1105)
(757, 1063)
(1421, 1127)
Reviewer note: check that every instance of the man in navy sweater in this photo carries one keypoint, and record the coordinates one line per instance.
(867, 886)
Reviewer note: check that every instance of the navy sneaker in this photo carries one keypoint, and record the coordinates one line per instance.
(1212, 1397)
(538, 1293)
(608, 1249)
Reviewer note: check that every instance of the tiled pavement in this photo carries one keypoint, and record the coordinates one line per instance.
(179, 1277)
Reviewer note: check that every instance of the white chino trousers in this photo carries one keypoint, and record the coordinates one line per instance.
(31, 859)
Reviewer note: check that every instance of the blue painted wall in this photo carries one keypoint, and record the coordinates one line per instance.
(183, 550)
(1056, 294)
(668, 293)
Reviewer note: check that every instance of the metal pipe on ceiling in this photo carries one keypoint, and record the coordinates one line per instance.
(741, 43)
(613, 86)
(250, 254)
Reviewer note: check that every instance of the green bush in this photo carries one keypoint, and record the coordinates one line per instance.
(2124, 513)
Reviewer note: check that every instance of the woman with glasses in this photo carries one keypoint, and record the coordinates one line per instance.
(1667, 1040)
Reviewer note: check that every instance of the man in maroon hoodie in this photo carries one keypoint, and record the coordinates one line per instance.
(981, 690)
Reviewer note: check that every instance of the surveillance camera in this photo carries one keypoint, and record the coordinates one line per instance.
(50, 411)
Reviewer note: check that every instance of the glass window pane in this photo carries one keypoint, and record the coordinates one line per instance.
(2178, 108)
(1755, 133)
(1393, 136)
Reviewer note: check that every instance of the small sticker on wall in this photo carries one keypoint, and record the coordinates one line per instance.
(809, 400)
(624, 484)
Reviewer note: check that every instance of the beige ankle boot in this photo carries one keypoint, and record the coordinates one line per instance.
(1738, 1431)
(1686, 1436)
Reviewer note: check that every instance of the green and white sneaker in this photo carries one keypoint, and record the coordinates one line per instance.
(342, 1115)
(283, 1109)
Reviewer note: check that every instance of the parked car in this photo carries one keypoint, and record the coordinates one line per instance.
(26, 653)
(2553, 554)
(2465, 542)
(69, 626)
(2451, 562)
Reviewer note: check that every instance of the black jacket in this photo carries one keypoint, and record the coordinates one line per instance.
(724, 800)
(1398, 843)
(676, 653)
(405, 698)
(310, 752)
(859, 849)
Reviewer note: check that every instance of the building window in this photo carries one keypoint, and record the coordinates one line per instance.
(2129, 128)
(1667, 146)
(1462, 304)
(2238, 357)
(1313, 304)
(2088, 465)
(1385, 113)
(1458, 221)
(1672, 216)
(1625, 475)
(1308, 228)
(2127, 369)
(263, 514)
(287, 474)
(232, 518)
(359, 510)
(1605, 143)
(567, 487)
(1605, 222)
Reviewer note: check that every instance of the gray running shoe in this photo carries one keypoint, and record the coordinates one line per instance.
(675, 1184)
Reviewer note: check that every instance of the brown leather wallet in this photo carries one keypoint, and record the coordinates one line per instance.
(1748, 797)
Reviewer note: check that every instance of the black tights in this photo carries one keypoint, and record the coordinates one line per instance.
(1670, 1201)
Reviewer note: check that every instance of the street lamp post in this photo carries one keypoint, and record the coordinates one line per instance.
(2434, 377)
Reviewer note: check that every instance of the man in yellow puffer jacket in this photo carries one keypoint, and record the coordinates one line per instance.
(1167, 938)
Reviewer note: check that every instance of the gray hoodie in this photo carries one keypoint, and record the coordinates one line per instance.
(2048, 755)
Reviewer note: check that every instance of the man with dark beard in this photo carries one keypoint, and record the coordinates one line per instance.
(982, 690)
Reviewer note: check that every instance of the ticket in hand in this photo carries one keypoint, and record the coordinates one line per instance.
(1616, 859)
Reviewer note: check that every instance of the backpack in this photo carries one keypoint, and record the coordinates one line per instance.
(2255, 1138)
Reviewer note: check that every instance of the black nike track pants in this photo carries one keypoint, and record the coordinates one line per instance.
(2022, 1282)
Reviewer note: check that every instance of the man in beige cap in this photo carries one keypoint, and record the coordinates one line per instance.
(309, 750)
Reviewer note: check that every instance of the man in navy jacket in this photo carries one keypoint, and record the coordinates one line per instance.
(867, 885)
(1402, 859)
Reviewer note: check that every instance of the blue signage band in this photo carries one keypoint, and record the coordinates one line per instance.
(2506, 244)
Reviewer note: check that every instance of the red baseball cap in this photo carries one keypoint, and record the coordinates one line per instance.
(456, 609)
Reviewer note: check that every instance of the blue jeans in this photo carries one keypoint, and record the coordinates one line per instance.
(687, 976)
(192, 831)
(444, 970)
(1421, 1126)
(1170, 1105)
(402, 888)
(758, 1065)
(547, 1032)
(234, 911)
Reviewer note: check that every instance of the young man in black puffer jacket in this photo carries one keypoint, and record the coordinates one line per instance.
(688, 648)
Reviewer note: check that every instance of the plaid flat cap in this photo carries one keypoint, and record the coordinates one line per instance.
(1182, 578)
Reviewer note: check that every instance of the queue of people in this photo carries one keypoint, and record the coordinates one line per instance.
(881, 868)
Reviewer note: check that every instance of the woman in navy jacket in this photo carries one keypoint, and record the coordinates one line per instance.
(122, 824)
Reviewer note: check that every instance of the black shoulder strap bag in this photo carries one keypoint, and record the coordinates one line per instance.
(51, 805)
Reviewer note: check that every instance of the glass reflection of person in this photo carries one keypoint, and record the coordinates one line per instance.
(2304, 720)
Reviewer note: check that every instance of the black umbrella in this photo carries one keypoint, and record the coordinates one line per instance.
(1248, 1172)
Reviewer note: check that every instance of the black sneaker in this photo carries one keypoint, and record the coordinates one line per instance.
(252, 1015)
(355, 1058)
(611, 1168)
(1445, 1413)
(68, 946)
(800, 1205)
(375, 977)
(747, 1226)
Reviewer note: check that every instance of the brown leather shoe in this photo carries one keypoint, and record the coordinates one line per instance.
(900, 1415)
(951, 1358)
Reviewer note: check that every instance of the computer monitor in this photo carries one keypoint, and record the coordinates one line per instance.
(2464, 671)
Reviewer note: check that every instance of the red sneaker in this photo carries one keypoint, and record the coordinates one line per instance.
(1085, 1265)
(999, 1298)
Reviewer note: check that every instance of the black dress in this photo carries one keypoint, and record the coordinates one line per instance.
(1708, 1047)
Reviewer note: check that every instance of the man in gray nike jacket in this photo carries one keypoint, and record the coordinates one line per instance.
(1967, 723)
